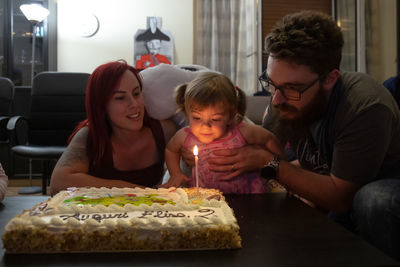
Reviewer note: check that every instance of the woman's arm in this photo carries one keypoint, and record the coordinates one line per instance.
(3, 183)
(72, 168)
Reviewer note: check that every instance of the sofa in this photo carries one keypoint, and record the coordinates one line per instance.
(256, 106)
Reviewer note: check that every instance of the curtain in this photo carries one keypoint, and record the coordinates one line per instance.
(369, 29)
(226, 39)
(346, 18)
(381, 39)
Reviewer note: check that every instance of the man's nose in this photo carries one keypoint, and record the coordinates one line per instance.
(278, 98)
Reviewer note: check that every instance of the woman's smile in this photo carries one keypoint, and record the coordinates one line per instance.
(134, 116)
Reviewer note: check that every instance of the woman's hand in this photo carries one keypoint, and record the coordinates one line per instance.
(187, 156)
(239, 160)
(175, 181)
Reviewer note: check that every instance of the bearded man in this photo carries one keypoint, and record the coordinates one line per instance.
(342, 127)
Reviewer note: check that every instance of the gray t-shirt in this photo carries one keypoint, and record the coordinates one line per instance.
(358, 139)
(366, 131)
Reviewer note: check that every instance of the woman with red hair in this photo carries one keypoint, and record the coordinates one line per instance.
(118, 145)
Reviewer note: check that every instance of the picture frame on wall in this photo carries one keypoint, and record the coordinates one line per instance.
(153, 45)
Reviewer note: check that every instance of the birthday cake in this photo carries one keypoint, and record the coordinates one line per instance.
(124, 219)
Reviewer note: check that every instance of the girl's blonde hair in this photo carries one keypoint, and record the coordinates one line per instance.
(209, 89)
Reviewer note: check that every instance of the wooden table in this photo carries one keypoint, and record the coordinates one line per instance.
(276, 230)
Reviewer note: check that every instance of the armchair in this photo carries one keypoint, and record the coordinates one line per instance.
(6, 110)
(57, 105)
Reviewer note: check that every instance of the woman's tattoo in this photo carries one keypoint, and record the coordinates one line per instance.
(76, 151)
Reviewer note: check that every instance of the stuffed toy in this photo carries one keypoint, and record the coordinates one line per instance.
(159, 83)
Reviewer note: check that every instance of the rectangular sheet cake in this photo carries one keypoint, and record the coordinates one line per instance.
(124, 219)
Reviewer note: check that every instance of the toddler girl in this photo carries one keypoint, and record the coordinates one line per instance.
(215, 108)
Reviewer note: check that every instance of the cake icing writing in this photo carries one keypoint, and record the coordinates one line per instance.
(160, 214)
(120, 200)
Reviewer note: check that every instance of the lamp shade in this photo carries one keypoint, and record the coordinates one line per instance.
(35, 13)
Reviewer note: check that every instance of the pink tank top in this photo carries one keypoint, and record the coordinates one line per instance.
(246, 183)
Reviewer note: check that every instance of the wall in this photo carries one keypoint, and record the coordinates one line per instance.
(119, 21)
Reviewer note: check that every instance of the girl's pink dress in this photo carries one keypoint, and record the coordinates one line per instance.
(245, 183)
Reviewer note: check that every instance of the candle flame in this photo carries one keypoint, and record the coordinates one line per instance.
(195, 150)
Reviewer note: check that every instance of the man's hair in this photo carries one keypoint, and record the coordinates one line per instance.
(307, 38)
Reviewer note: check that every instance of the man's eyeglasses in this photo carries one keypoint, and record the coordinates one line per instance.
(289, 92)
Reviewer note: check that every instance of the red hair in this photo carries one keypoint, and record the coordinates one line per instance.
(101, 85)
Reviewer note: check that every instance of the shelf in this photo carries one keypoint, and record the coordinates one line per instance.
(17, 42)
(28, 36)
(28, 64)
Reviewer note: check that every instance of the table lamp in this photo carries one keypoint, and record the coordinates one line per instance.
(35, 13)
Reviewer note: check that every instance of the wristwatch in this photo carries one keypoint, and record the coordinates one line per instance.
(270, 170)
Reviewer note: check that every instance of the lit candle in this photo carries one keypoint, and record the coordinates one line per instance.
(196, 165)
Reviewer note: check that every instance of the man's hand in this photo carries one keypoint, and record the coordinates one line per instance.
(239, 160)
(187, 156)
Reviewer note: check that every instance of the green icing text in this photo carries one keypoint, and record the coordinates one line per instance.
(121, 200)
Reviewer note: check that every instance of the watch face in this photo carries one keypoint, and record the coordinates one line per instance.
(89, 24)
(268, 172)
(271, 170)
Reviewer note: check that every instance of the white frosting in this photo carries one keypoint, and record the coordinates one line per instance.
(56, 214)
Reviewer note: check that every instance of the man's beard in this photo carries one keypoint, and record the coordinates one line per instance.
(296, 130)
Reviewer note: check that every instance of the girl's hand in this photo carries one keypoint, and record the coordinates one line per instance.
(175, 181)
(187, 156)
